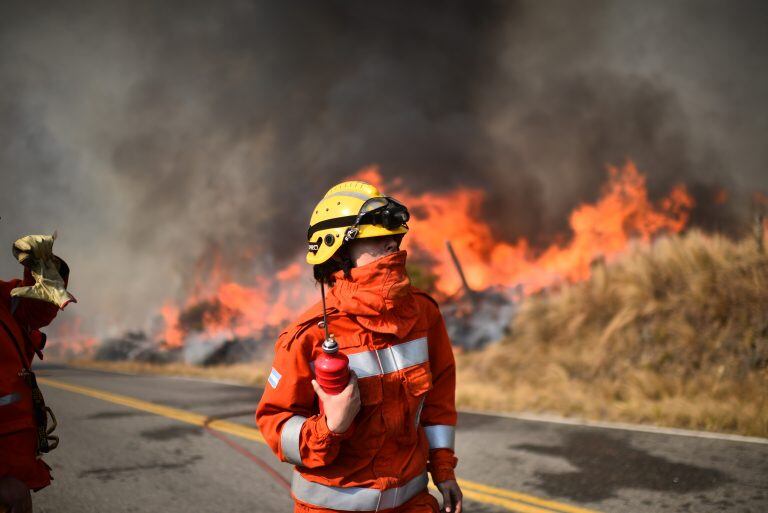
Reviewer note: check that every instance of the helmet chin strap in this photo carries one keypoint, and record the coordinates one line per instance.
(352, 231)
(351, 234)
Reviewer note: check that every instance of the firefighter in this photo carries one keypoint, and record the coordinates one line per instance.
(25, 431)
(371, 447)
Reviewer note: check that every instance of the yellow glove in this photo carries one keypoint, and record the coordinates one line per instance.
(35, 252)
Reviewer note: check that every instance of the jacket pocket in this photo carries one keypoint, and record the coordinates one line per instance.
(418, 380)
(348, 341)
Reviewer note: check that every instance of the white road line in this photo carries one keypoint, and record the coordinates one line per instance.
(622, 426)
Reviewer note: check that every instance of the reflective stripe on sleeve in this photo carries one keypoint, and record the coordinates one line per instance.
(389, 359)
(355, 498)
(9, 399)
(290, 437)
(440, 436)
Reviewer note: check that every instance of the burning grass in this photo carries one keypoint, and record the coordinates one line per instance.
(218, 308)
(675, 334)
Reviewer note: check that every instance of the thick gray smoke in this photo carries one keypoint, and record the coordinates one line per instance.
(151, 133)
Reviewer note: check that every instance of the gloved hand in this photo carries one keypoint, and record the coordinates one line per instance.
(35, 252)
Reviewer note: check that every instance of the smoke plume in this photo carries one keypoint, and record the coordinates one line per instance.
(152, 134)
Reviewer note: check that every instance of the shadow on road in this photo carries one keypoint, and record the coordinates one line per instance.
(109, 473)
(606, 464)
(171, 433)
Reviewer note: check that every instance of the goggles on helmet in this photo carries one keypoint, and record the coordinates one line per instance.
(381, 210)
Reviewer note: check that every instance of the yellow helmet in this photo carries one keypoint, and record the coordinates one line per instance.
(348, 211)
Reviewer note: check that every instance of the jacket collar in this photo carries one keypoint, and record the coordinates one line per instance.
(378, 295)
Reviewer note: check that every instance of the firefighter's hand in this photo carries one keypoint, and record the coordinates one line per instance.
(49, 272)
(340, 409)
(31, 249)
(452, 496)
(14, 495)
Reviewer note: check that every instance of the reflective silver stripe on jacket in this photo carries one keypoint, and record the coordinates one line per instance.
(355, 498)
(290, 437)
(9, 399)
(389, 359)
(440, 436)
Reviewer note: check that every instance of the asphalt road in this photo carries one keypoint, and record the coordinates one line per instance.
(139, 443)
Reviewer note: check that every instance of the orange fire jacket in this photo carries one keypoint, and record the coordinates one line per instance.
(395, 338)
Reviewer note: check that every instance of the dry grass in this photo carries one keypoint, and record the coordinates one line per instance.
(252, 373)
(673, 335)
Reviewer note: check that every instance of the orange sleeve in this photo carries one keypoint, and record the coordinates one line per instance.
(287, 414)
(439, 413)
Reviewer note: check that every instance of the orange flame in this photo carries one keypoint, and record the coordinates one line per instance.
(600, 230)
(172, 336)
(220, 306)
(71, 339)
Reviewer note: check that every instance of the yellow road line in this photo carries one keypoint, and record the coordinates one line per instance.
(511, 505)
(507, 499)
(557, 506)
(231, 428)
